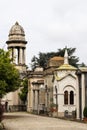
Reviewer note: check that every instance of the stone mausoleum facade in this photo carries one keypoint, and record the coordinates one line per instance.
(64, 88)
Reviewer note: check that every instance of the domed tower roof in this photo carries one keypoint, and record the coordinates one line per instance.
(16, 33)
(16, 29)
(57, 58)
(55, 61)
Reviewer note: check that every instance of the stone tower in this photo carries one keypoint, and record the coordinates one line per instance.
(17, 44)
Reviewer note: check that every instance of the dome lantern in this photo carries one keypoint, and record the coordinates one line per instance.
(16, 33)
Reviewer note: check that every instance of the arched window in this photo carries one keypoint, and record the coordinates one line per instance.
(71, 97)
(66, 97)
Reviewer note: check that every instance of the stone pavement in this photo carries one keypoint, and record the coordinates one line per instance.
(26, 121)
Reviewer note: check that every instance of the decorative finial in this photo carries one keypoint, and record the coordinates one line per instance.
(16, 23)
(66, 57)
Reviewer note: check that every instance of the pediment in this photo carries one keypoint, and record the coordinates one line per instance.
(63, 77)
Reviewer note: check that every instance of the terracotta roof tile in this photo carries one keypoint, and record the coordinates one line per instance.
(57, 58)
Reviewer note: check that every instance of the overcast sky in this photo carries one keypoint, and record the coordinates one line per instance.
(48, 25)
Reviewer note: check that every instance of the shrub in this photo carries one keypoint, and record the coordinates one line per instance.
(85, 112)
(1, 112)
(53, 107)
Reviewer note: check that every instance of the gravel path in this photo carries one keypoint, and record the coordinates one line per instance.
(25, 121)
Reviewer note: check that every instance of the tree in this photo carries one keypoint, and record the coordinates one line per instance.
(82, 65)
(9, 75)
(24, 90)
(43, 58)
(73, 60)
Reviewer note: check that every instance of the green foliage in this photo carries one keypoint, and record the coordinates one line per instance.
(73, 60)
(24, 90)
(85, 112)
(82, 64)
(43, 58)
(9, 75)
(53, 105)
(1, 112)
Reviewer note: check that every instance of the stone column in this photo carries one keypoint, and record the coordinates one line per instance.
(38, 97)
(33, 99)
(46, 99)
(24, 51)
(17, 54)
(83, 93)
(77, 99)
(20, 55)
(29, 98)
(14, 55)
(36, 100)
(68, 98)
(38, 107)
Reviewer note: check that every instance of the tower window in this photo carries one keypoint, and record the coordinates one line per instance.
(71, 97)
(66, 97)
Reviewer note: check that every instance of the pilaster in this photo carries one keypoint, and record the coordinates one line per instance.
(83, 93)
(77, 99)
